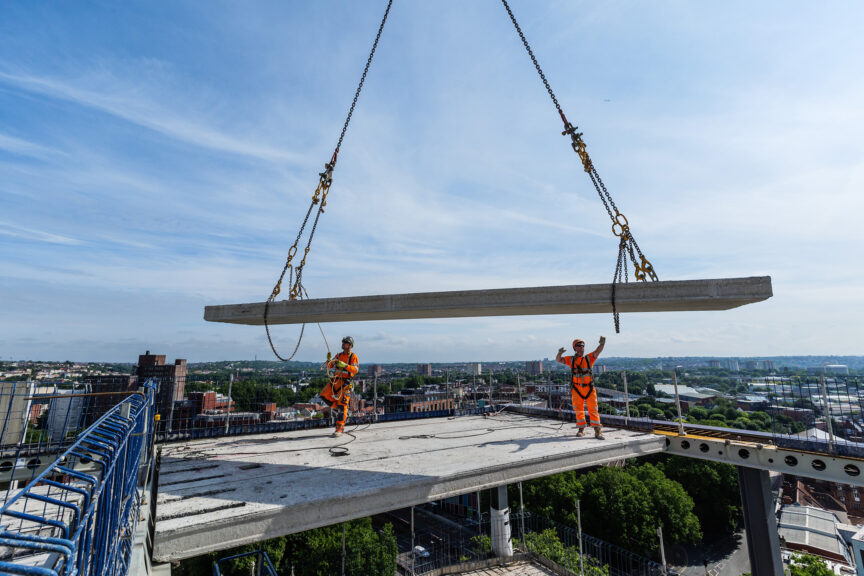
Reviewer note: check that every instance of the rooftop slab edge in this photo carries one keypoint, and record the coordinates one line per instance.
(368, 485)
(662, 296)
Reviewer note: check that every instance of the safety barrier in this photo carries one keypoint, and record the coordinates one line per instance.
(79, 515)
(262, 566)
(39, 421)
(443, 550)
(595, 553)
(306, 424)
(824, 415)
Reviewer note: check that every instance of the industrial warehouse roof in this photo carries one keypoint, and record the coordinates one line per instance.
(220, 493)
(683, 391)
(812, 527)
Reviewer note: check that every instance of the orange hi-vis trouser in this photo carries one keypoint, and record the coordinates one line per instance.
(338, 393)
(579, 405)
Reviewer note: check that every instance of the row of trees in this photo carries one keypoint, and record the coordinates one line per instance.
(806, 565)
(248, 394)
(725, 414)
(625, 506)
(549, 545)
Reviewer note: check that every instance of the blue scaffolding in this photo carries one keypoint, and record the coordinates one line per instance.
(78, 517)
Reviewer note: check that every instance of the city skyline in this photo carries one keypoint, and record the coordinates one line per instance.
(159, 157)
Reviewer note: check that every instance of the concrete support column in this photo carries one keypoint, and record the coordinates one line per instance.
(760, 521)
(499, 521)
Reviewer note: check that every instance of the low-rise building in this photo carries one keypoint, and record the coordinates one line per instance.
(814, 531)
(686, 394)
(751, 402)
(416, 400)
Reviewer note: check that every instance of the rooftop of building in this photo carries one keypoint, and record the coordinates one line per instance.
(751, 398)
(812, 527)
(683, 391)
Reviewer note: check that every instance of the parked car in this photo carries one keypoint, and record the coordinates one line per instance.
(420, 552)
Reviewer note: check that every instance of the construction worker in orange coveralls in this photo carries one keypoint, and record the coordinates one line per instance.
(582, 391)
(338, 391)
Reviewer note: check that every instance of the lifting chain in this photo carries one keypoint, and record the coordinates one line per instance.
(325, 179)
(628, 248)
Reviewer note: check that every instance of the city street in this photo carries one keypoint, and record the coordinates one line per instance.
(726, 557)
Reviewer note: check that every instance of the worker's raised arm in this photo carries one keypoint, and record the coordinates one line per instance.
(600, 346)
(558, 358)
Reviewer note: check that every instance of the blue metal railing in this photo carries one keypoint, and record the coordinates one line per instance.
(78, 516)
(263, 567)
(62, 409)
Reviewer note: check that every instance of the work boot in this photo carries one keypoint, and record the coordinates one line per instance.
(336, 434)
(580, 433)
(598, 433)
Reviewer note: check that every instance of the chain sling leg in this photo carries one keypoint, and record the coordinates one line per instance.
(627, 247)
(319, 198)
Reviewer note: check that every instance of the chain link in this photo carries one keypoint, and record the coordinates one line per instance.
(362, 80)
(627, 246)
(534, 60)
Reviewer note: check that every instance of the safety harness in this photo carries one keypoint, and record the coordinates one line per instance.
(346, 380)
(580, 372)
(346, 376)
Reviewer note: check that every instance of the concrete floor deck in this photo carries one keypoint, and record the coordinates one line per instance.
(220, 493)
(521, 568)
(666, 296)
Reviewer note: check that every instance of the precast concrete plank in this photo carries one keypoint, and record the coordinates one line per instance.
(666, 296)
(220, 493)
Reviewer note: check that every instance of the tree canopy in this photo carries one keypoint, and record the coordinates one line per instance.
(315, 552)
(621, 505)
(808, 565)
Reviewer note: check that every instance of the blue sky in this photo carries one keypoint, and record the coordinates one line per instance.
(157, 157)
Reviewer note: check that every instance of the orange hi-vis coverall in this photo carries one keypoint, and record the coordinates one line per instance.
(582, 391)
(338, 390)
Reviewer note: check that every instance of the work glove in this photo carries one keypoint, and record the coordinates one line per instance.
(602, 340)
(561, 350)
(341, 364)
(329, 356)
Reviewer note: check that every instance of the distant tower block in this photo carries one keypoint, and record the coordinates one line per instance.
(534, 367)
(683, 295)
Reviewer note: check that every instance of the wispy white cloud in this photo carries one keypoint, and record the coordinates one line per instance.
(27, 234)
(26, 148)
(145, 104)
(732, 154)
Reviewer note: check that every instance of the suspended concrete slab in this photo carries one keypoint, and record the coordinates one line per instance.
(219, 493)
(668, 296)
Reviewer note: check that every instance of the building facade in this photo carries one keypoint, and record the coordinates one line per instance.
(170, 384)
(534, 367)
(108, 390)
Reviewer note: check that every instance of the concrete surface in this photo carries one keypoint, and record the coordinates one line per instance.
(669, 296)
(515, 569)
(219, 493)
